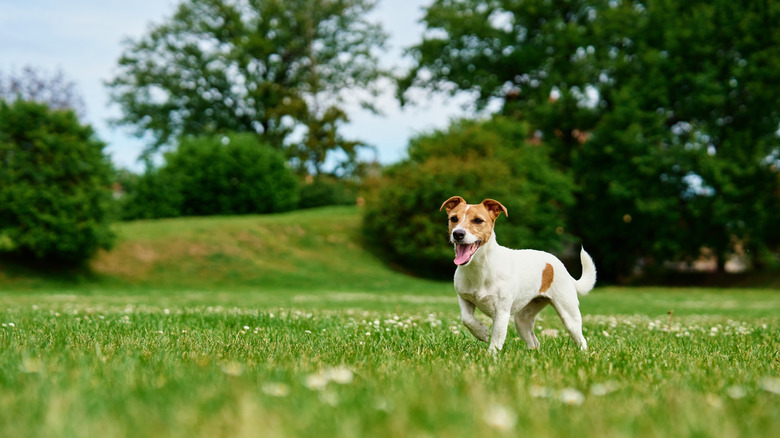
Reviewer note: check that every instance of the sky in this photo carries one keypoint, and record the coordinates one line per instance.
(83, 38)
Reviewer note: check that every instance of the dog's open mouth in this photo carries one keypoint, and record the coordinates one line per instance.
(464, 252)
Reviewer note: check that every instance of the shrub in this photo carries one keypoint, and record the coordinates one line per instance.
(55, 185)
(215, 175)
(324, 190)
(155, 194)
(476, 160)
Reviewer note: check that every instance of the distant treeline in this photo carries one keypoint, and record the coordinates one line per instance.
(645, 130)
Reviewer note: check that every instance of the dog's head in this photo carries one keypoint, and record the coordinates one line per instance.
(471, 225)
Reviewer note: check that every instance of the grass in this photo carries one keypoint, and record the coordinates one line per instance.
(346, 365)
(301, 251)
(185, 343)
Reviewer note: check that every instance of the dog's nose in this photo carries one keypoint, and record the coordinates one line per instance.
(458, 235)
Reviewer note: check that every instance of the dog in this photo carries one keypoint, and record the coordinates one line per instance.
(505, 283)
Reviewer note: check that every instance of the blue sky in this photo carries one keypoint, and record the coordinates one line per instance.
(83, 39)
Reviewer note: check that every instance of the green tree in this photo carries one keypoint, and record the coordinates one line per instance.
(268, 67)
(700, 83)
(666, 112)
(55, 185)
(476, 160)
(232, 174)
(535, 56)
(153, 194)
(221, 174)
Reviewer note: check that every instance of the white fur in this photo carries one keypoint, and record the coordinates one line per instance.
(505, 284)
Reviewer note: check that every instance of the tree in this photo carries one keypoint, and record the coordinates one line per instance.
(666, 111)
(151, 195)
(213, 175)
(55, 185)
(535, 56)
(494, 160)
(232, 174)
(702, 77)
(55, 90)
(268, 67)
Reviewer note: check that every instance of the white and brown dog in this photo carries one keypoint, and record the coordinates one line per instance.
(505, 283)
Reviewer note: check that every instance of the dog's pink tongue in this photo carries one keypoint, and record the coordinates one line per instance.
(462, 254)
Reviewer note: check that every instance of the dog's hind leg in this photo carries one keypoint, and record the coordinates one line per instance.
(474, 325)
(569, 311)
(524, 321)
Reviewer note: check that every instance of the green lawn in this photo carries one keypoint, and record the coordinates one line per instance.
(367, 364)
(164, 341)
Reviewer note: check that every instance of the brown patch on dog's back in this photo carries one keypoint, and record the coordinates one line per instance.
(547, 278)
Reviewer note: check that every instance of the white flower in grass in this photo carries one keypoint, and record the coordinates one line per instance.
(771, 384)
(553, 333)
(605, 333)
(233, 369)
(499, 417)
(276, 389)
(341, 375)
(736, 392)
(316, 382)
(571, 396)
(605, 388)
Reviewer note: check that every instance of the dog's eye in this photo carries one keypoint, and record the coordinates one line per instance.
(477, 221)
(454, 219)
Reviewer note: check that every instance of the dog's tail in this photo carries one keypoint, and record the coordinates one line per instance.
(588, 279)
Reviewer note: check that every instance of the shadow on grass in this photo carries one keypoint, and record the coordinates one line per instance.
(24, 268)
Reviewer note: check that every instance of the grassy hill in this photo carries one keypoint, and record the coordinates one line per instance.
(285, 325)
(309, 250)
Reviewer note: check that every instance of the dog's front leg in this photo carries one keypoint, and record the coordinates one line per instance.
(498, 335)
(474, 325)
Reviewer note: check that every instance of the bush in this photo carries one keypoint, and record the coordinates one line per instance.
(323, 190)
(55, 185)
(216, 175)
(476, 160)
(155, 194)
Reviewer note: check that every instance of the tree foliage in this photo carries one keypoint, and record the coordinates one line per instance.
(215, 175)
(475, 160)
(268, 67)
(55, 185)
(667, 112)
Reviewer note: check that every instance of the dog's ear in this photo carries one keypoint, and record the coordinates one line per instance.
(451, 203)
(495, 208)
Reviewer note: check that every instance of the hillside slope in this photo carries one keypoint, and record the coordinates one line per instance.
(314, 249)
(308, 250)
